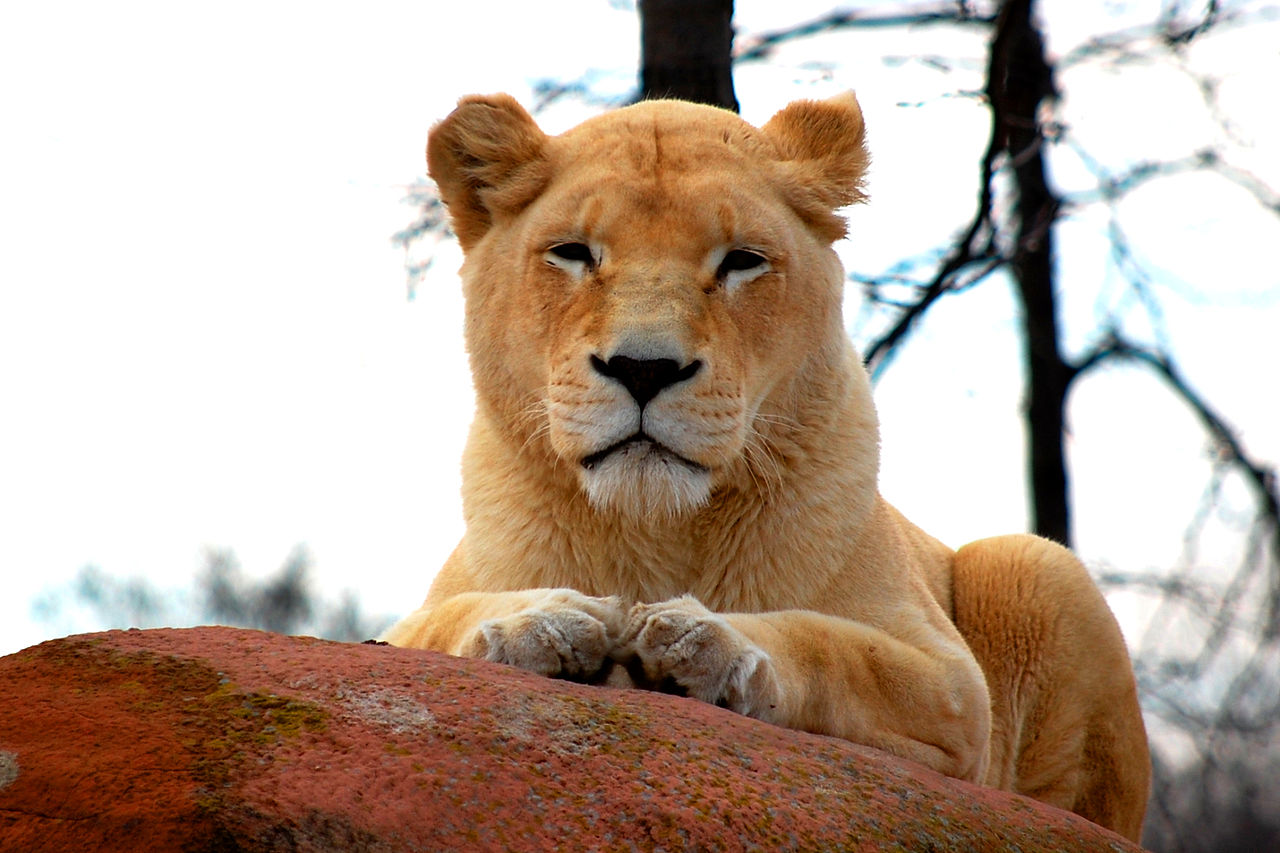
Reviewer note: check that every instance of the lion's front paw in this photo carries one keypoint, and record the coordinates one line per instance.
(683, 641)
(565, 634)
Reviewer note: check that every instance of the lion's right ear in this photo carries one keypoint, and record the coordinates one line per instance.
(489, 159)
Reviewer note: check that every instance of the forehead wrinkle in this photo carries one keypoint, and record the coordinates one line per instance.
(675, 172)
(589, 213)
(728, 219)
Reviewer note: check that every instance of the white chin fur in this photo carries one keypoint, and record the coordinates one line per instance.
(645, 483)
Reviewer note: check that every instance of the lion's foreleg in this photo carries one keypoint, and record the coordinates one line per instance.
(819, 673)
(926, 701)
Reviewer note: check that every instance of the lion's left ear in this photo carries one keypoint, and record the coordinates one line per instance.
(822, 144)
(489, 158)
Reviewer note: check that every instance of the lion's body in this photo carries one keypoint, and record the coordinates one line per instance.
(672, 473)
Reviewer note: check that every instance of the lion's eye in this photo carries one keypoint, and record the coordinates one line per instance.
(740, 266)
(740, 260)
(579, 252)
(575, 259)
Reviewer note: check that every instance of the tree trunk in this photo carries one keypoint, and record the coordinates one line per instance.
(1019, 81)
(686, 51)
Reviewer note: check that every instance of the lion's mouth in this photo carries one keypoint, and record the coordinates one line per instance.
(639, 447)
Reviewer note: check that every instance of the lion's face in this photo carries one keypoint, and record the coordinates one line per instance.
(643, 292)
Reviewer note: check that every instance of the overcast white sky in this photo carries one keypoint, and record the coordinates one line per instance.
(205, 338)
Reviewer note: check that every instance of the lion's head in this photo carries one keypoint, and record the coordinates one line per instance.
(646, 292)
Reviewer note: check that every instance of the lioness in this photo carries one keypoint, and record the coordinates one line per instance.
(671, 475)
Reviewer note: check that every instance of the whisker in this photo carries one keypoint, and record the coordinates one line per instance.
(534, 414)
(778, 420)
(762, 463)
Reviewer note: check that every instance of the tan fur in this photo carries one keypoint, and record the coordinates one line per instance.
(722, 531)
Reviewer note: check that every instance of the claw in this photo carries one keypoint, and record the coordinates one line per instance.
(682, 642)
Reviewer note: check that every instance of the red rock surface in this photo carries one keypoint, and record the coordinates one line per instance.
(220, 739)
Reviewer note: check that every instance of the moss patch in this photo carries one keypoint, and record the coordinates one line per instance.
(216, 724)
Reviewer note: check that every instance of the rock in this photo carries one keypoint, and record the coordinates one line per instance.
(212, 739)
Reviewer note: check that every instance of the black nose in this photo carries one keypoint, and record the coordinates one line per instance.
(644, 378)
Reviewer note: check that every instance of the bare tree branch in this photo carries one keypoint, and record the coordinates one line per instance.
(419, 239)
(1261, 477)
(1174, 30)
(975, 247)
(760, 46)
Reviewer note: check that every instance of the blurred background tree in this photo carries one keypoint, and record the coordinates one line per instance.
(284, 601)
(1208, 661)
